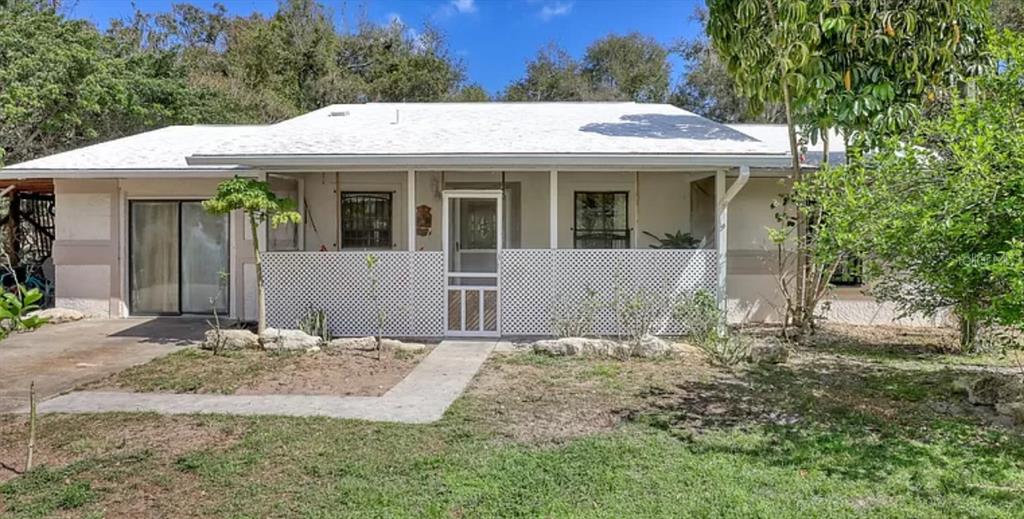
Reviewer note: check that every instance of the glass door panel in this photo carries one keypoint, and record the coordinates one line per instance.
(153, 258)
(204, 260)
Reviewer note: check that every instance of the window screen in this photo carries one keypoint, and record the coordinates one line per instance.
(366, 220)
(601, 220)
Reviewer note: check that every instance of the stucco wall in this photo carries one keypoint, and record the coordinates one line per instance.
(90, 250)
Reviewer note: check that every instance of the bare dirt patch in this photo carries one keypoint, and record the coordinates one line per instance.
(338, 372)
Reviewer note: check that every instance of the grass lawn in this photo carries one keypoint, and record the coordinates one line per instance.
(847, 429)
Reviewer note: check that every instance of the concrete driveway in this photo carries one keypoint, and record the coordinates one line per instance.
(59, 357)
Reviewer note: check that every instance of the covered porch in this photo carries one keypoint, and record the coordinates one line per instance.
(494, 253)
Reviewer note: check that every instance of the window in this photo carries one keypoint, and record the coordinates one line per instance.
(366, 220)
(601, 220)
(849, 273)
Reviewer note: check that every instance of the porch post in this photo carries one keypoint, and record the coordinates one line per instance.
(721, 237)
(410, 203)
(553, 208)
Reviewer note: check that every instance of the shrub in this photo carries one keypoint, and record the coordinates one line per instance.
(315, 323)
(15, 307)
(568, 320)
(704, 323)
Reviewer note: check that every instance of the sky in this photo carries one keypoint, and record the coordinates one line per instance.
(493, 38)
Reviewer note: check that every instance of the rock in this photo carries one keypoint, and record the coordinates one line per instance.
(231, 339)
(406, 347)
(274, 339)
(370, 344)
(353, 343)
(571, 346)
(768, 353)
(995, 389)
(1014, 410)
(314, 349)
(59, 315)
(649, 347)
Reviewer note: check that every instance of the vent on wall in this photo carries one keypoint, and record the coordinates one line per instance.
(343, 113)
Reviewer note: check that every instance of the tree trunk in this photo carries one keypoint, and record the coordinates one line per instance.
(261, 303)
(804, 308)
(968, 332)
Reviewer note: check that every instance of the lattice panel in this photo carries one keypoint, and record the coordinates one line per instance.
(411, 291)
(534, 282)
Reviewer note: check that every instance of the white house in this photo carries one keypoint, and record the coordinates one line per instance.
(482, 216)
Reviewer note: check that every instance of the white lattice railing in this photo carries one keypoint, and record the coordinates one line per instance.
(534, 281)
(411, 288)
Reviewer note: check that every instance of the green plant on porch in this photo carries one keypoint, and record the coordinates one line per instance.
(676, 240)
(260, 205)
(864, 68)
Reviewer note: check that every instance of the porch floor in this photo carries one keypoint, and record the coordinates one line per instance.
(422, 397)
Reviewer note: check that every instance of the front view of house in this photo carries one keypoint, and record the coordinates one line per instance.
(483, 219)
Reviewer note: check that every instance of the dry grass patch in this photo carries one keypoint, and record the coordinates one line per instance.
(342, 373)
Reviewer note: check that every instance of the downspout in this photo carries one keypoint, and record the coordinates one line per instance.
(721, 227)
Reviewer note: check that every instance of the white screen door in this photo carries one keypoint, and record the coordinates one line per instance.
(472, 243)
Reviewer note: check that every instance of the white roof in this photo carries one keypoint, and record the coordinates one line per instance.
(426, 134)
(490, 128)
(777, 136)
(163, 149)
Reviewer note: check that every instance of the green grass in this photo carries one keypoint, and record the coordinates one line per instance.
(835, 436)
(194, 370)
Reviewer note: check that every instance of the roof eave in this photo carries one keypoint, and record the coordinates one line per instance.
(93, 173)
(491, 160)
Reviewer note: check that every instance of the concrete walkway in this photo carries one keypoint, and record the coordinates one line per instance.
(59, 357)
(422, 397)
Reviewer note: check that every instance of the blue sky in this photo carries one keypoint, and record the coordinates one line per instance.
(494, 38)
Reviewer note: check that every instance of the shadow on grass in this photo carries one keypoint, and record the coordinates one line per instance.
(857, 421)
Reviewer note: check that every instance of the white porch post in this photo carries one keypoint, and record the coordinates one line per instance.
(721, 237)
(553, 210)
(410, 207)
(722, 199)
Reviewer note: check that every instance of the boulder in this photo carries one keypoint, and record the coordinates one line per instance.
(405, 347)
(353, 343)
(995, 389)
(572, 346)
(768, 353)
(649, 347)
(314, 349)
(294, 340)
(59, 315)
(231, 339)
(1014, 410)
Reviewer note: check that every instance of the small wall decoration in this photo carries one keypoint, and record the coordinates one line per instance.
(424, 220)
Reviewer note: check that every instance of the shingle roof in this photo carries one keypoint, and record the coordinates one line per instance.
(777, 137)
(163, 149)
(442, 129)
(486, 128)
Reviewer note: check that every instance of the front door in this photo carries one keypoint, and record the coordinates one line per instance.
(472, 243)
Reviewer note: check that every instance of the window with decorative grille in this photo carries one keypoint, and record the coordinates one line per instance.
(366, 220)
(601, 220)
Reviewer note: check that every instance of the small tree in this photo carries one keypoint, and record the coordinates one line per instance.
(260, 205)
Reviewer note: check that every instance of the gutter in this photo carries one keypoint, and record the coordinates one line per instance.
(33, 173)
(544, 161)
(736, 186)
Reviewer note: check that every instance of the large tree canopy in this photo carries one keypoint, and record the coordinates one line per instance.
(938, 215)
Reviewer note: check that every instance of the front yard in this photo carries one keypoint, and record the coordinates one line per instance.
(863, 424)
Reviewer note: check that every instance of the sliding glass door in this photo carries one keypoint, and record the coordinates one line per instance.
(178, 259)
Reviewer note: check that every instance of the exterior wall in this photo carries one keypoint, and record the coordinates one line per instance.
(752, 289)
(90, 250)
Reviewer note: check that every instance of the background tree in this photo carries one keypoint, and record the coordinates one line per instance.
(552, 75)
(706, 88)
(633, 67)
(63, 85)
(936, 215)
(260, 205)
(1008, 14)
